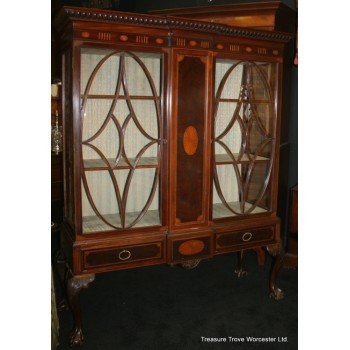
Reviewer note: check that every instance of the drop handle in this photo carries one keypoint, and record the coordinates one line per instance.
(247, 236)
(124, 255)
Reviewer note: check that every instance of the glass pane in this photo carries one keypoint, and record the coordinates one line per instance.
(260, 77)
(231, 81)
(228, 190)
(121, 128)
(244, 124)
(143, 194)
(256, 182)
(138, 68)
(105, 77)
(224, 115)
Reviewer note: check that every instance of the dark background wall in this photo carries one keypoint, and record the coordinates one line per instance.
(143, 6)
(149, 5)
(146, 5)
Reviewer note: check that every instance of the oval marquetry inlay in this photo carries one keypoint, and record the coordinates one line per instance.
(219, 46)
(275, 52)
(191, 247)
(85, 34)
(248, 49)
(123, 38)
(159, 41)
(193, 43)
(190, 140)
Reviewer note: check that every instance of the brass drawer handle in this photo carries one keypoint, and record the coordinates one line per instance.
(247, 236)
(126, 254)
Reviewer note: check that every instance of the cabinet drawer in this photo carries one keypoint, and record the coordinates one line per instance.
(246, 237)
(142, 254)
(189, 247)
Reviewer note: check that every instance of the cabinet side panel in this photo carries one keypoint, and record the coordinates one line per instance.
(190, 139)
(68, 137)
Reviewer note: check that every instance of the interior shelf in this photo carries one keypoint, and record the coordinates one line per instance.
(226, 159)
(242, 101)
(122, 97)
(99, 164)
(95, 224)
(220, 211)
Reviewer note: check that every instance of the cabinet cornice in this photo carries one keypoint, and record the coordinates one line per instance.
(165, 22)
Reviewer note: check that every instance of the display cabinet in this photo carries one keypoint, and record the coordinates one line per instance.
(170, 134)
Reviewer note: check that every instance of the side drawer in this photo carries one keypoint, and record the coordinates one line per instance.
(228, 240)
(133, 255)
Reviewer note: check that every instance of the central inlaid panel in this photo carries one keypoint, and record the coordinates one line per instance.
(191, 113)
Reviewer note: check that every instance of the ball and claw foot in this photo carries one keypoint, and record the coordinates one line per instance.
(241, 271)
(76, 337)
(276, 294)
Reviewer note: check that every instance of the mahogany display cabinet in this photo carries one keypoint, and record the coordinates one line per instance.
(171, 128)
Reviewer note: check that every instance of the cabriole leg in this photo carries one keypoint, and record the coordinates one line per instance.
(61, 270)
(260, 255)
(240, 271)
(74, 286)
(278, 255)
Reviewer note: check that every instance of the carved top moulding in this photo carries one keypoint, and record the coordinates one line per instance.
(68, 14)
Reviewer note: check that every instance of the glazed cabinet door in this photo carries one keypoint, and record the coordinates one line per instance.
(121, 138)
(244, 140)
(190, 138)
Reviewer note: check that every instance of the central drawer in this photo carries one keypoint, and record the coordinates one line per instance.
(188, 246)
(227, 241)
(123, 256)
